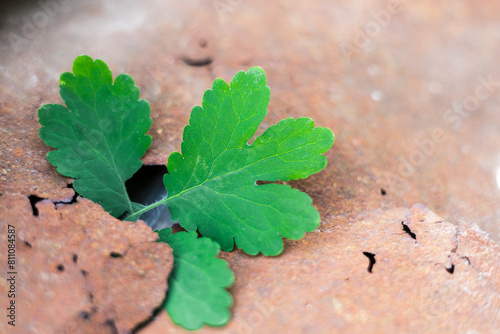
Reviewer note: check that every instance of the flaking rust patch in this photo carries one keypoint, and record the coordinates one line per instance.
(66, 273)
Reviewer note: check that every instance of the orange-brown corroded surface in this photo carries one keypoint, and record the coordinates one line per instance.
(445, 280)
(79, 270)
(410, 88)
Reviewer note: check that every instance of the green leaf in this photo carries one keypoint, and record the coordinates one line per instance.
(196, 287)
(212, 185)
(100, 136)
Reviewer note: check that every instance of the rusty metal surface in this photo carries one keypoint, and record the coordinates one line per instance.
(444, 281)
(411, 90)
(79, 270)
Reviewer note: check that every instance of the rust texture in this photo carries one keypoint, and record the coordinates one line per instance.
(322, 284)
(80, 270)
(412, 93)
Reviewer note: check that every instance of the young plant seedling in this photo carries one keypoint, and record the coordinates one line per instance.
(100, 136)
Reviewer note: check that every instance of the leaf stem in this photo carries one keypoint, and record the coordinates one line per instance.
(136, 215)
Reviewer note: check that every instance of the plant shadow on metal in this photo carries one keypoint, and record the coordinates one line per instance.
(211, 184)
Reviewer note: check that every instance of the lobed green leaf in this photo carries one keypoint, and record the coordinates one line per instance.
(100, 135)
(212, 186)
(196, 287)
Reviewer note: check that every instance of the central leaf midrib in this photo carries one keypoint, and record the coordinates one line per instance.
(107, 146)
(222, 175)
(232, 133)
(184, 191)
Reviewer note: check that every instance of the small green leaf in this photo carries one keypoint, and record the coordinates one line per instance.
(196, 287)
(100, 136)
(212, 185)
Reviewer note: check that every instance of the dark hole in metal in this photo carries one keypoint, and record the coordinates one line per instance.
(34, 199)
(146, 187)
(407, 230)
(197, 62)
(85, 315)
(371, 257)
